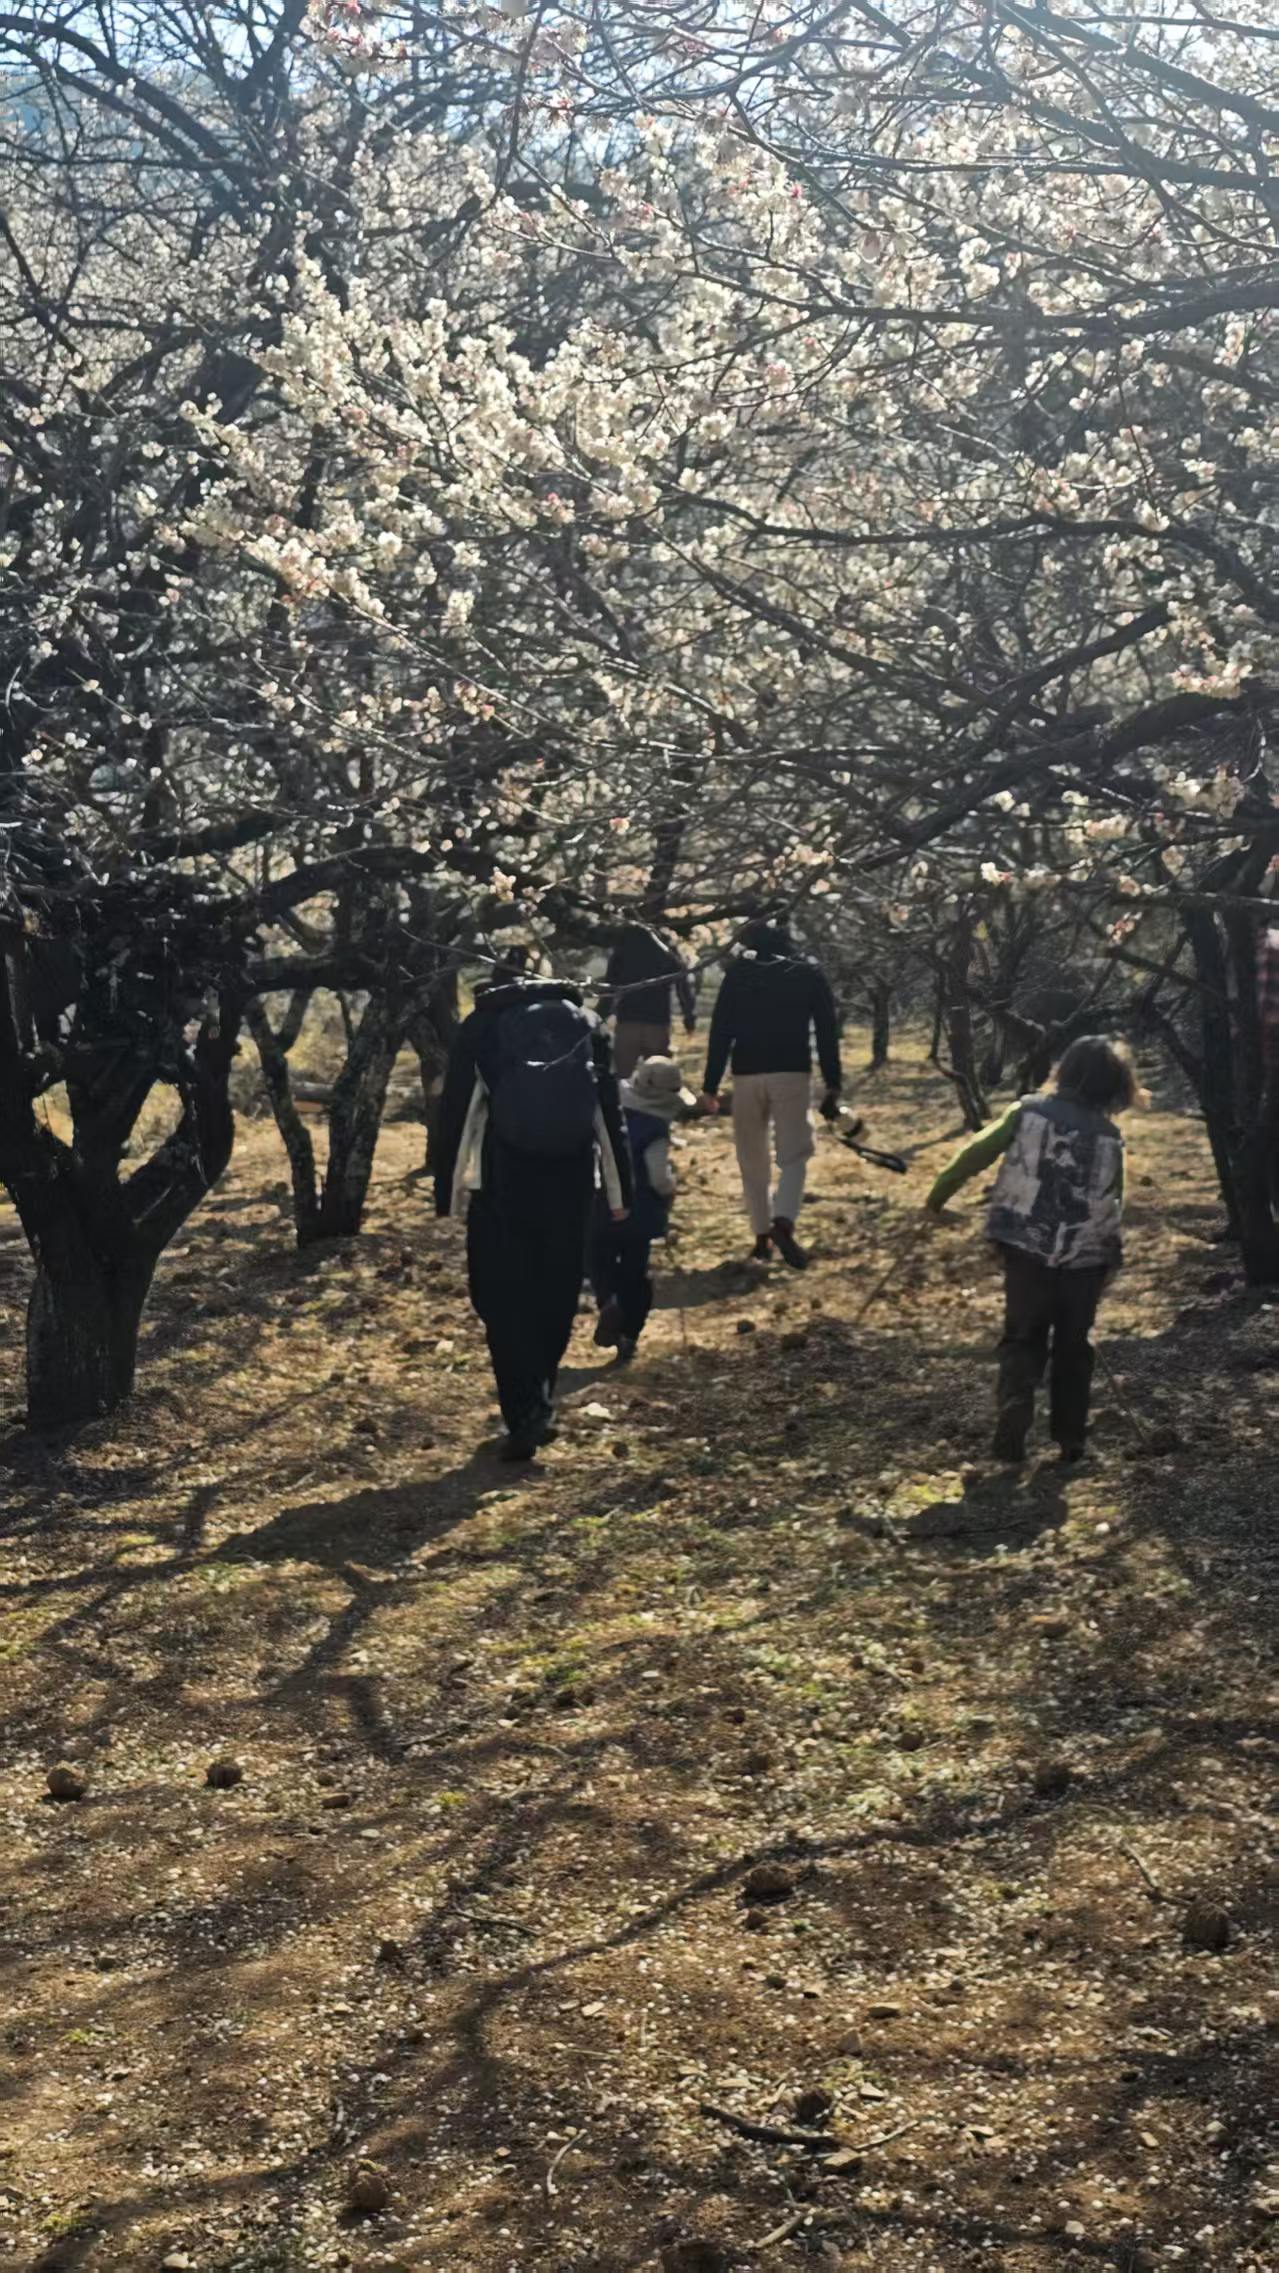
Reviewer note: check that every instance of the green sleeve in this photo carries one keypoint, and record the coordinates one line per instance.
(972, 1157)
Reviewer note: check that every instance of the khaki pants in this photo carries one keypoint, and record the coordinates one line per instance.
(783, 1100)
(636, 1038)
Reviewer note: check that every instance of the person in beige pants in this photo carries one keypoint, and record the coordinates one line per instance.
(779, 1100)
(772, 1004)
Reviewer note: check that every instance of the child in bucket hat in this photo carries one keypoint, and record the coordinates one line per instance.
(652, 1101)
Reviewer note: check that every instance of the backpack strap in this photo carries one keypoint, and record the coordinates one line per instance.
(467, 1169)
(609, 1171)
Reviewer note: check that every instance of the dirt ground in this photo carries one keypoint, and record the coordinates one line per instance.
(512, 1743)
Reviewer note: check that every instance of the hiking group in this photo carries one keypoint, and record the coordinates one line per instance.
(555, 1145)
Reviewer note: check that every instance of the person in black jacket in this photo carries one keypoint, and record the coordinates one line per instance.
(529, 1210)
(771, 1002)
(642, 972)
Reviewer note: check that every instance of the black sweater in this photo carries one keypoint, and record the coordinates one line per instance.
(462, 1072)
(767, 1008)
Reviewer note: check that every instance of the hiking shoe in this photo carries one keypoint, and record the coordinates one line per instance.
(626, 1347)
(787, 1245)
(1071, 1454)
(521, 1444)
(1009, 1444)
(762, 1251)
(607, 1326)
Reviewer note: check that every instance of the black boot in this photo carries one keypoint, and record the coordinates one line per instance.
(1009, 1442)
(521, 1444)
(787, 1245)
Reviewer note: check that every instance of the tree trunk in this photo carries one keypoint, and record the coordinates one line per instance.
(939, 1021)
(1217, 1093)
(432, 1058)
(83, 1322)
(881, 1026)
(668, 841)
(962, 1069)
(1258, 1229)
(273, 1049)
(431, 1034)
(992, 1065)
(355, 1121)
(95, 1230)
(1254, 1161)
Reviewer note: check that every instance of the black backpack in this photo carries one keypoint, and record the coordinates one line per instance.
(539, 1070)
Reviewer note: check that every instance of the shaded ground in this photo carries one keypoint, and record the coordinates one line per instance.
(512, 1744)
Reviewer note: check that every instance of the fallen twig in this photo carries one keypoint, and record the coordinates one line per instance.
(783, 2232)
(489, 1918)
(772, 2134)
(1155, 1889)
(881, 2138)
(549, 2187)
(828, 2143)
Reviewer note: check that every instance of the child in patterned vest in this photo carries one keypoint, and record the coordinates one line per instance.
(652, 1100)
(1054, 1215)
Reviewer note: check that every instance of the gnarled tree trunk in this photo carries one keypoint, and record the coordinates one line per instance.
(83, 1322)
(273, 1045)
(332, 1207)
(96, 1235)
(355, 1119)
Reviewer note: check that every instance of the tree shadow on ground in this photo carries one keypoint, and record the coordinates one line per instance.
(496, 1780)
(731, 1281)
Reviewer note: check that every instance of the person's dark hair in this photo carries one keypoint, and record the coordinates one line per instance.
(1099, 1072)
(759, 937)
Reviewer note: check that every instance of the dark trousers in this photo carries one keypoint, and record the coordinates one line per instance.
(525, 1234)
(619, 1272)
(1048, 1316)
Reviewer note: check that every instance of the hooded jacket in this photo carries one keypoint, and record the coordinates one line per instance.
(772, 1001)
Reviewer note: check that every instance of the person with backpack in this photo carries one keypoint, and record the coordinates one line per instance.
(530, 1101)
(643, 972)
(1054, 1215)
(652, 1100)
(772, 1002)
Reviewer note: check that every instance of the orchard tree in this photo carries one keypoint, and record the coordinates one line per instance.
(826, 455)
